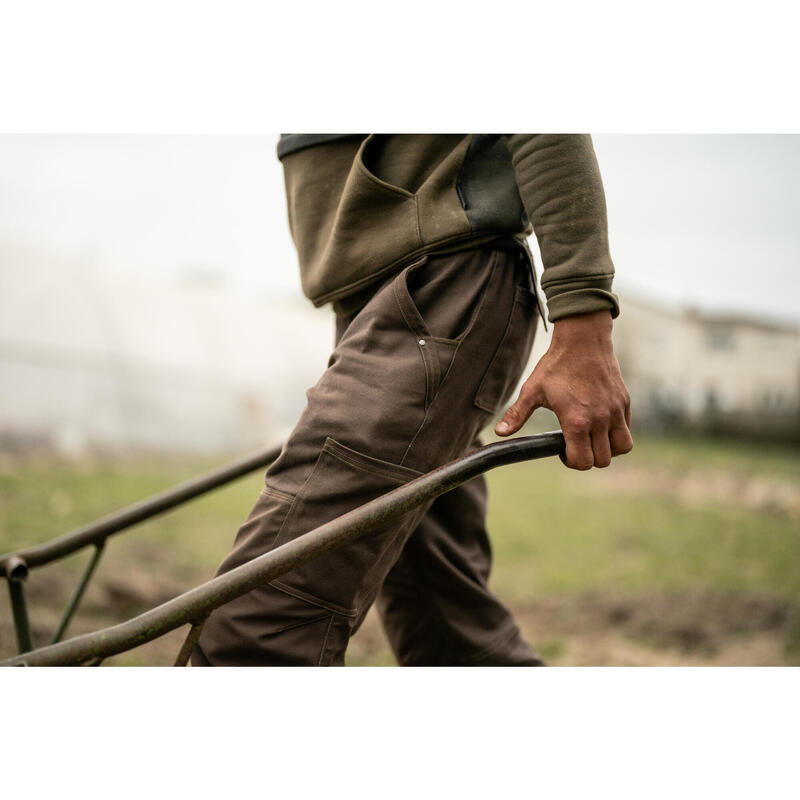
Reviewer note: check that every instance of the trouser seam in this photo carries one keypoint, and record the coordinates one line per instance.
(325, 640)
(301, 624)
(313, 600)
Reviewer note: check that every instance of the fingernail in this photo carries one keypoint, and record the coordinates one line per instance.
(502, 427)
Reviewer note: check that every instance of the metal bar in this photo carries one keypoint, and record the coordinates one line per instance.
(203, 599)
(78, 594)
(19, 609)
(189, 643)
(96, 532)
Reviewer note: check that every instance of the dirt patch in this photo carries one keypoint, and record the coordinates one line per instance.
(644, 630)
(689, 628)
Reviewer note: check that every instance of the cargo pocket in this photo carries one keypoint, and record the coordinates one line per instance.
(511, 356)
(342, 480)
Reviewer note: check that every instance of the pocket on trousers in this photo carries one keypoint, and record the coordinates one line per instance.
(511, 356)
(440, 298)
(342, 479)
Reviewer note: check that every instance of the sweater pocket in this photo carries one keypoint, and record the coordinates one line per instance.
(375, 226)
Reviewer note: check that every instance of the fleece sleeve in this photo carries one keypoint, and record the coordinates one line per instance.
(561, 189)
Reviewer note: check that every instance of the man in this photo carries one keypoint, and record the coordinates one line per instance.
(418, 241)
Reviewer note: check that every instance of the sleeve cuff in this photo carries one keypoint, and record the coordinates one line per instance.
(581, 301)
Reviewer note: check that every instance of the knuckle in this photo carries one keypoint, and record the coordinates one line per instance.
(602, 416)
(578, 421)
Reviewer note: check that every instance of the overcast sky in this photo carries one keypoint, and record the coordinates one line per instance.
(704, 220)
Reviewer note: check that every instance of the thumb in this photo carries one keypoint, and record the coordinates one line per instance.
(518, 413)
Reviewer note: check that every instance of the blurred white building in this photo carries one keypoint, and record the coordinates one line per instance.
(691, 364)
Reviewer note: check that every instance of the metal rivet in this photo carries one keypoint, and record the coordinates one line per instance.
(422, 343)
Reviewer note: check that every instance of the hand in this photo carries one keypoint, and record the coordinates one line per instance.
(578, 378)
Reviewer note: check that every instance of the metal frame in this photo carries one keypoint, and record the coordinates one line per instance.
(194, 606)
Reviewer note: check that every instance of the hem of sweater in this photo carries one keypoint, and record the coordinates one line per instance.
(450, 244)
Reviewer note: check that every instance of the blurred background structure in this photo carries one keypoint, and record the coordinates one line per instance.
(151, 324)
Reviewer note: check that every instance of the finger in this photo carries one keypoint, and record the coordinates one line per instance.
(601, 447)
(518, 413)
(578, 453)
(620, 437)
(628, 415)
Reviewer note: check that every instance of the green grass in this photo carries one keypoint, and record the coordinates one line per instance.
(553, 535)
(556, 533)
(681, 453)
(42, 498)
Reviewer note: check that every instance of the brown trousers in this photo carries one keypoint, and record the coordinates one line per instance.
(414, 377)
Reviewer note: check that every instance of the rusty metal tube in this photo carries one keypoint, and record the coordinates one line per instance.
(201, 600)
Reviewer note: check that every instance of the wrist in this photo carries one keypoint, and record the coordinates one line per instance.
(584, 328)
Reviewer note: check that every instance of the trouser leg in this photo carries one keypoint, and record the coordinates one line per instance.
(435, 604)
(416, 374)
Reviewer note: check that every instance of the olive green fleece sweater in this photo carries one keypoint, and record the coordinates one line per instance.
(362, 206)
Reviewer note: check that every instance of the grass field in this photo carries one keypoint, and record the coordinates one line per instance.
(684, 552)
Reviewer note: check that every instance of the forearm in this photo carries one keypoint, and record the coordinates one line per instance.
(578, 377)
(562, 191)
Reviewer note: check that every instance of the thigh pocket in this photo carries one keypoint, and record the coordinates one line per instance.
(511, 356)
(342, 480)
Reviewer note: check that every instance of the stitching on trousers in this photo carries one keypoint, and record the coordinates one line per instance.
(430, 391)
(325, 641)
(416, 215)
(367, 463)
(277, 494)
(296, 625)
(478, 400)
(306, 597)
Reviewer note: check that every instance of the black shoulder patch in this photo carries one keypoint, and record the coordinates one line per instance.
(487, 186)
(292, 142)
